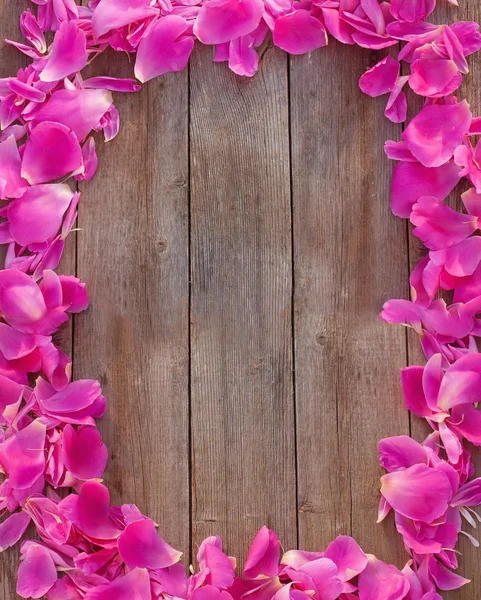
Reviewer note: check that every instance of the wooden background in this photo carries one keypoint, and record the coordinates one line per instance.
(237, 244)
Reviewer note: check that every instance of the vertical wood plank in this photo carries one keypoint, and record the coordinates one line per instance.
(350, 256)
(470, 557)
(133, 255)
(241, 347)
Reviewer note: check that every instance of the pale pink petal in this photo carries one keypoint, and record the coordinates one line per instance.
(141, 546)
(221, 21)
(51, 152)
(434, 133)
(84, 453)
(419, 492)
(161, 51)
(37, 216)
(263, 557)
(299, 32)
(68, 54)
(37, 572)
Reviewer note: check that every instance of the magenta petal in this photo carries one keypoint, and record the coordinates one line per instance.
(401, 452)
(221, 21)
(78, 109)
(381, 78)
(12, 185)
(414, 398)
(412, 10)
(22, 456)
(141, 546)
(411, 181)
(263, 557)
(37, 572)
(324, 574)
(12, 529)
(133, 586)
(379, 581)
(91, 513)
(84, 453)
(419, 492)
(348, 557)
(299, 32)
(51, 152)
(435, 132)
(444, 578)
(434, 78)
(114, 14)
(68, 54)
(462, 382)
(160, 51)
(37, 216)
(466, 421)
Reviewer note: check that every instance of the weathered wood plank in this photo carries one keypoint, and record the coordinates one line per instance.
(350, 256)
(241, 347)
(133, 254)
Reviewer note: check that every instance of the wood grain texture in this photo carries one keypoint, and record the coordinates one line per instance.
(133, 255)
(350, 256)
(243, 464)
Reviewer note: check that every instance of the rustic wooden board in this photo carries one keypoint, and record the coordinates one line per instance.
(133, 255)
(350, 256)
(243, 463)
(264, 369)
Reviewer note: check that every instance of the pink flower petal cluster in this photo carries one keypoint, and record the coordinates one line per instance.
(51, 453)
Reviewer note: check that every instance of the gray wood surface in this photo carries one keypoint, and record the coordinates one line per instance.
(237, 244)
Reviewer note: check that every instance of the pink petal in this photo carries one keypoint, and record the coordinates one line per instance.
(381, 78)
(462, 382)
(90, 512)
(12, 185)
(434, 78)
(22, 455)
(133, 586)
(37, 572)
(412, 10)
(114, 14)
(37, 216)
(466, 421)
(84, 453)
(324, 574)
(434, 133)
(114, 84)
(76, 396)
(141, 546)
(438, 225)
(299, 32)
(379, 581)
(78, 109)
(412, 180)
(401, 452)
(348, 557)
(419, 492)
(243, 58)
(443, 577)
(220, 21)
(12, 529)
(161, 51)
(68, 54)
(51, 152)
(263, 557)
